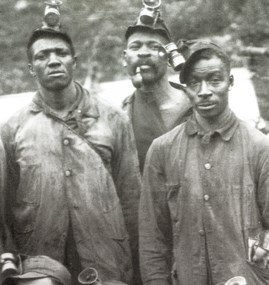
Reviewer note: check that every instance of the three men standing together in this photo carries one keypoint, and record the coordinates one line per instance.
(73, 179)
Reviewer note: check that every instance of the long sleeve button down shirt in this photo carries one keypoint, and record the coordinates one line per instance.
(80, 170)
(203, 196)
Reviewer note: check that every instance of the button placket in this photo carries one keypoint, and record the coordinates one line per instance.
(206, 197)
(66, 141)
(207, 166)
(68, 173)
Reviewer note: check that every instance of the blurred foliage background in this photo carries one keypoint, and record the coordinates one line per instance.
(98, 26)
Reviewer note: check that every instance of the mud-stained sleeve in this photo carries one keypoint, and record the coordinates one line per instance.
(155, 234)
(127, 178)
(8, 185)
(262, 182)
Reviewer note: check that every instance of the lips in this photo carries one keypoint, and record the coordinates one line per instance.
(145, 64)
(206, 106)
(56, 73)
(145, 67)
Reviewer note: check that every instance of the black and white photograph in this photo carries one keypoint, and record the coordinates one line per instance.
(134, 142)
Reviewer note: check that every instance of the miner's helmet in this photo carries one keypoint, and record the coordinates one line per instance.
(51, 27)
(158, 27)
(190, 48)
(149, 19)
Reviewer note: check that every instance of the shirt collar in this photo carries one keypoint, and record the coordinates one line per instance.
(85, 103)
(148, 97)
(226, 130)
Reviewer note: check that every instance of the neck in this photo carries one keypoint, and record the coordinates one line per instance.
(214, 123)
(59, 100)
(161, 90)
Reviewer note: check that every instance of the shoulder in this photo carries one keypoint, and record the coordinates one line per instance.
(107, 112)
(127, 101)
(16, 120)
(171, 138)
(253, 135)
(257, 143)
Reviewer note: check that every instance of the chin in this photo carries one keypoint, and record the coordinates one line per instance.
(56, 85)
(149, 80)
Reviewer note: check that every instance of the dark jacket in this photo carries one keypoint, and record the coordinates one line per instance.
(81, 170)
(203, 196)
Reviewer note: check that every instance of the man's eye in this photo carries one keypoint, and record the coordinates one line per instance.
(134, 47)
(214, 81)
(193, 83)
(155, 47)
(63, 53)
(40, 56)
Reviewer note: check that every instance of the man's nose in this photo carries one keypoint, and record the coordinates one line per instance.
(204, 91)
(53, 59)
(144, 51)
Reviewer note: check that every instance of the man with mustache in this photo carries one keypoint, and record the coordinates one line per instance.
(73, 175)
(204, 212)
(157, 105)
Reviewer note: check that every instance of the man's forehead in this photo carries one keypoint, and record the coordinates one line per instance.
(145, 36)
(212, 64)
(49, 44)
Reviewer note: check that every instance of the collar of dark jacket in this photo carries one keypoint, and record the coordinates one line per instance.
(130, 99)
(226, 131)
(85, 103)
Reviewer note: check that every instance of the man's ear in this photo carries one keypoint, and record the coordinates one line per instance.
(123, 59)
(75, 60)
(32, 72)
(231, 79)
(231, 82)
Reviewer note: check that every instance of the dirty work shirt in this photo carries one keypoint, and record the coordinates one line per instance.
(81, 169)
(203, 195)
(149, 122)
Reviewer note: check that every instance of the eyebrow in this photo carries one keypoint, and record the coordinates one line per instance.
(148, 42)
(209, 72)
(54, 50)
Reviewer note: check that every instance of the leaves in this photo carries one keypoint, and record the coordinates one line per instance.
(98, 26)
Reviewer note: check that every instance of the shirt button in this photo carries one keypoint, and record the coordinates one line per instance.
(206, 197)
(207, 166)
(201, 233)
(66, 141)
(68, 173)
